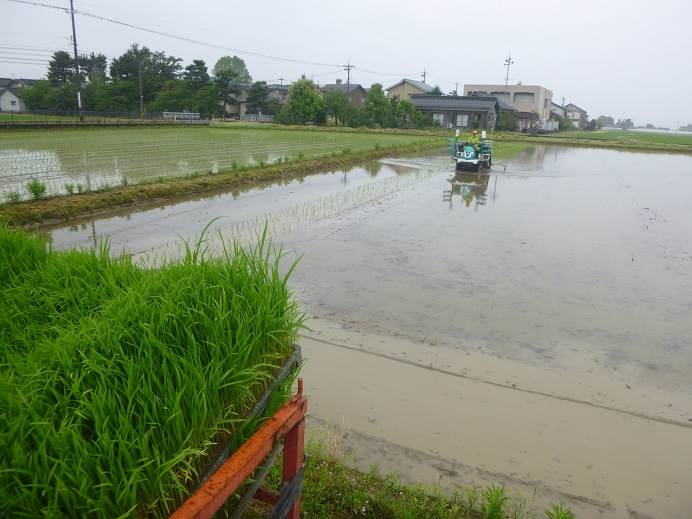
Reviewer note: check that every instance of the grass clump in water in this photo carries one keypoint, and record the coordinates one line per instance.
(115, 381)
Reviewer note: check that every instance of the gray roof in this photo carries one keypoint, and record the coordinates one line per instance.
(572, 105)
(276, 86)
(454, 102)
(505, 106)
(342, 86)
(418, 84)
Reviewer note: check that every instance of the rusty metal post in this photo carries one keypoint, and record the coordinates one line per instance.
(294, 454)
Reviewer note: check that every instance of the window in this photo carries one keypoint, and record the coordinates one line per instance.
(523, 97)
(13, 103)
(462, 120)
(439, 119)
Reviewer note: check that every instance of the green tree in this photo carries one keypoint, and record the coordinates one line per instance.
(174, 96)
(376, 107)
(258, 97)
(506, 121)
(233, 66)
(197, 75)
(436, 91)
(605, 120)
(565, 124)
(336, 104)
(304, 104)
(156, 69)
(405, 113)
(91, 65)
(206, 101)
(60, 68)
(35, 96)
(227, 88)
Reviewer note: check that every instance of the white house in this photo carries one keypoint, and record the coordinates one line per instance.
(10, 100)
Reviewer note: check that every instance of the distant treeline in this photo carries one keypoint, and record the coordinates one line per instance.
(157, 82)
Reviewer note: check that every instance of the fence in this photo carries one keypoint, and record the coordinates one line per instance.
(101, 117)
(181, 116)
(257, 118)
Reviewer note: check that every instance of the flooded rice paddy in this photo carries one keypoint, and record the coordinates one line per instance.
(531, 326)
(95, 158)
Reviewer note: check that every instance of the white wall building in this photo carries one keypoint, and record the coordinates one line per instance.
(10, 100)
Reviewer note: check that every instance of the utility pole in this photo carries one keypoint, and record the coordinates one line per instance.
(508, 63)
(456, 88)
(281, 80)
(76, 64)
(141, 94)
(348, 68)
(423, 75)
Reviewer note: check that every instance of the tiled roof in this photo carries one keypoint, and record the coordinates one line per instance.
(418, 84)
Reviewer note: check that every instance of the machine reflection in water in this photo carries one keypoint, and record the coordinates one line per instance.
(471, 188)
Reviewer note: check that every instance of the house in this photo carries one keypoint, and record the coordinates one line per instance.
(557, 111)
(355, 92)
(460, 111)
(278, 93)
(405, 88)
(10, 96)
(577, 115)
(527, 99)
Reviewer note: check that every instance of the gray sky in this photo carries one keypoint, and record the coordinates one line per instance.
(617, 57)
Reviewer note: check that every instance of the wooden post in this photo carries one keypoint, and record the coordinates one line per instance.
(294, 454)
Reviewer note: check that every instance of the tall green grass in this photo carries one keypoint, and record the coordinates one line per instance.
(115, 381)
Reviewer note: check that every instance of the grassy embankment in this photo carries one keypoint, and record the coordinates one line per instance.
(333, 490)
(625, 140)
(115, 380)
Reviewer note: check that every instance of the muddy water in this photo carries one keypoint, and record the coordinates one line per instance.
(532, 326)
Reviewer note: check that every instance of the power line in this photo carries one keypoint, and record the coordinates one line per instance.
(23, 63)
(24, 59)
(175, 36)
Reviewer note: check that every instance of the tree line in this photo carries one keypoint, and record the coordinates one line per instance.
(157, 82)
(143, 78)
(307, 105)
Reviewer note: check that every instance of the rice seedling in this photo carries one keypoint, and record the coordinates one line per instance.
(494, 499)
(559, 511)
(13, 196)
(37, 189)
(69, 188)
(117, 381)
(80, 188)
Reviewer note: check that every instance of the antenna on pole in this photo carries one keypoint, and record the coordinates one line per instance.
(508, 63)
(348, 68)
(423, 74)
(76, 64)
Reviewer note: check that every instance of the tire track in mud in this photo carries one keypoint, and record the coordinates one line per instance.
(414, 364)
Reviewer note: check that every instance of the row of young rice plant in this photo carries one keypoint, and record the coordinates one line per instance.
(117, 381)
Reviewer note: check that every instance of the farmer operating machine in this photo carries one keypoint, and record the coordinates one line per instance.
(469, 156)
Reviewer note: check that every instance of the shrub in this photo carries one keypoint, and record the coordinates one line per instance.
(37, 189)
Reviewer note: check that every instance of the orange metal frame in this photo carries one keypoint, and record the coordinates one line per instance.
(288, 423)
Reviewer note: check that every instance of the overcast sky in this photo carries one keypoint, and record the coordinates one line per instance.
(619, 57)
